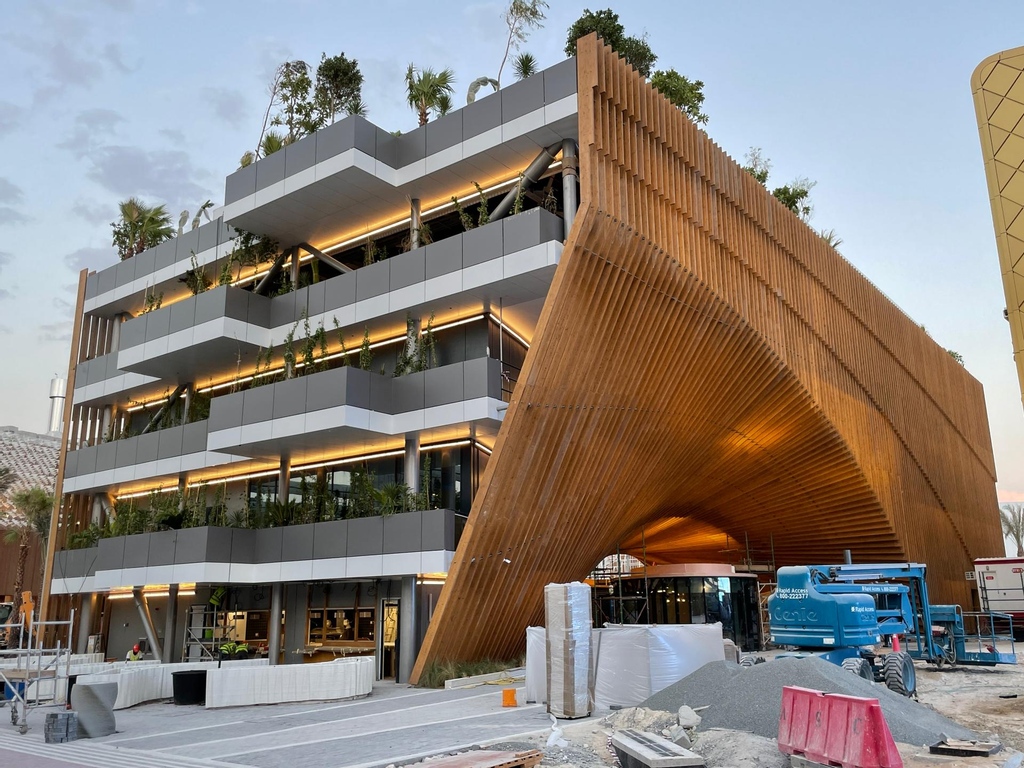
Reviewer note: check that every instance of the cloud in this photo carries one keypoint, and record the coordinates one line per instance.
(165, 174)
(226, 103)
(174, 135)
(6, 329)
(96, 214)
(112, 55)
(56, 331)
(65, 67)
(9, 192)
(10, 117)
(91, 127)
(9, 215)
(90, 258)
(5, 259)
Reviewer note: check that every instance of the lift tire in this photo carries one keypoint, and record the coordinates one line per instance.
(860, 667)
(899, 673)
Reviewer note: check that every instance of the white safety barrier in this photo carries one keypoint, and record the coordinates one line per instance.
(340, 679)
(631, 663)
(140, 681)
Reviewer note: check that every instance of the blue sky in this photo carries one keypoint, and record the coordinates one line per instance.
(102, 100)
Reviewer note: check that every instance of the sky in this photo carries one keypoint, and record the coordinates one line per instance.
(104, 99)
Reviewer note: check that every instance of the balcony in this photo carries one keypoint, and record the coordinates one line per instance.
(167, 452)
(396, 545)
(207, 337)
(353, 171)
(313, 415)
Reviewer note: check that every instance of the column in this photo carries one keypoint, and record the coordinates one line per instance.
(274, 624)
(415, 223)
(170, 623)
(147, 623)
(85, 622)
(412, 462)
(283, 479)
(570, 194)
(408, 637)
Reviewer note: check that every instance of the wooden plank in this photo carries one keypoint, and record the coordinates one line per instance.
(705, 369)
(487, 759)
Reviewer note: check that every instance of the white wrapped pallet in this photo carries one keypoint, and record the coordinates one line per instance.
(567, 615)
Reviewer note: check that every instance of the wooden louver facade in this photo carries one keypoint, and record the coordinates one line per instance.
(707, 369)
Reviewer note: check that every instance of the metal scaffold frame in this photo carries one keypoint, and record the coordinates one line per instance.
(33, 666)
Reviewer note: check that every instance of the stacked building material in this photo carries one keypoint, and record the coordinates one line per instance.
(568, 619)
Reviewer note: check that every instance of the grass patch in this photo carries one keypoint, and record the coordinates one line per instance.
(437, 673)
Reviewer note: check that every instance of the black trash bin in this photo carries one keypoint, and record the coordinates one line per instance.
(72, 679)
(189, 687)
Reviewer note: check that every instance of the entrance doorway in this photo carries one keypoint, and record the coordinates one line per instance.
(387, 643)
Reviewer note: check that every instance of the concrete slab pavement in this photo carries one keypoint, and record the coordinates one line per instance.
(395, 724)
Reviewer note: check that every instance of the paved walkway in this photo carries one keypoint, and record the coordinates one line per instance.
(395, 724)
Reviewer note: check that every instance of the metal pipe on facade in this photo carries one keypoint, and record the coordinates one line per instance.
(275, 268)
(147, 623)
(164, 408)
(328, 260)
(530, 177)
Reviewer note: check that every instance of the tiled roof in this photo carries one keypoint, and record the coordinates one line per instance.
(33, 457)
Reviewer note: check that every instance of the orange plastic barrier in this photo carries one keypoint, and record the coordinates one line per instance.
(834, 729)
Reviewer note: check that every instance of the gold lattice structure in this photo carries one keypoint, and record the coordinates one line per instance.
(707, 370)
(998, 86)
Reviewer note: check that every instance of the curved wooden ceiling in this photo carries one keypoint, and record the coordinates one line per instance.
(705, 367)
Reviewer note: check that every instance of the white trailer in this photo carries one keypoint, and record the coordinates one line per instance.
(1000, 583)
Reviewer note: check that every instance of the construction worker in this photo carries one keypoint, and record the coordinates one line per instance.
(135, 654)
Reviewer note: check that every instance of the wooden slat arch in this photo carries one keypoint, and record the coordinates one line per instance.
(705, 366)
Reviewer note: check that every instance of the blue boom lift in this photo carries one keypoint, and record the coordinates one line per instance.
(840, 612)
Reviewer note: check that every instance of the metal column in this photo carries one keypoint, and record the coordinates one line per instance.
(415, 223)
(570, 194)
(274, 630)
(85, 622)
(408, 636)
(170, 620)
(147, 623)
(412, 463)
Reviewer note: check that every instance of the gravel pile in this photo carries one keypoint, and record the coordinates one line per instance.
(749, 698)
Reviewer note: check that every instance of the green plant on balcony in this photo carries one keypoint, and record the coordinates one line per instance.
(199, 407)
(152, 302)
(420, 350)
(392, 498)
(85, 538)
(362, 494)
(371, 253)
(195, 278)
(341, 341)
(428, 91)
(365, 353)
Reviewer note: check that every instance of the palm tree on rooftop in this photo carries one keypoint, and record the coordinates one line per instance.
(427, 91)
(140, 227)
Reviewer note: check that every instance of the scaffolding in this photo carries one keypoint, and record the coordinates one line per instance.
(32, 675)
